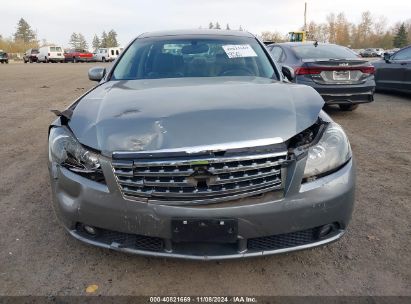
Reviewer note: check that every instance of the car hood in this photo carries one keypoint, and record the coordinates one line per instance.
(157, 114)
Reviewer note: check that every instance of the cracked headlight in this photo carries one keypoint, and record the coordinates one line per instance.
(65, 150)
(331, 152)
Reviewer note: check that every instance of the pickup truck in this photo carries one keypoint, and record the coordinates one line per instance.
(76, 55)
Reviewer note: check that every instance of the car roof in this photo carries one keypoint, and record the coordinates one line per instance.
(195, 32)
(302, 43)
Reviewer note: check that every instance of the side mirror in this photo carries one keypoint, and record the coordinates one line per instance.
(288, 72)
(96, 73)
(387, 57)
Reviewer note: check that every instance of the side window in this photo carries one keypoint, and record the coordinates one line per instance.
(112, 52)
(277, 53)
(403, 54)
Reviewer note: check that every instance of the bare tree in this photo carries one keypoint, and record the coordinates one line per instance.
(272, 36)
(342, 30)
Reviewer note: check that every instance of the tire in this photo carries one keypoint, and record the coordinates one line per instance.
(31, 60)
(46, 60)
(24, 60)
(74, 60)
(349, 107)
(103, 59)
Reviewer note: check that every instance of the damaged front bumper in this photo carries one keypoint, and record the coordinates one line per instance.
(275, 222)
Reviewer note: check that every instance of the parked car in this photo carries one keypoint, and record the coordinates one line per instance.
(370, 52)
(50, 54)
(394, 71)
(336, 72)
(78, 55)
(107, 54)
(206, 152)
(30, 55)
(379, 52)
(391, 51)
(4, 57)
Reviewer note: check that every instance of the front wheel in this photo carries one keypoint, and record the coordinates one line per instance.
(349, 107)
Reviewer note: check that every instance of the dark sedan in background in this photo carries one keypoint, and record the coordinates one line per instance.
(4, 58)
(394, 71)
(30, 55)
(336, 72)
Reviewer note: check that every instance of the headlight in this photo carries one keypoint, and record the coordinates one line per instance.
(65, 150)
(332, 151)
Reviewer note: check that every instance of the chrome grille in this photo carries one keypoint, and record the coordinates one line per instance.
(199, 179)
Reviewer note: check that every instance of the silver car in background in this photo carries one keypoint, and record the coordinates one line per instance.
(194, 145)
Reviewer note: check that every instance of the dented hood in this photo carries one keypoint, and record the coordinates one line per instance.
(146, 115)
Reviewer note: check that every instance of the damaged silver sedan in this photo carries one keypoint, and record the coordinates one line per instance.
(195, 145)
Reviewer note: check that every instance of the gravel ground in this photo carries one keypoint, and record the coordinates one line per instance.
(38, 257)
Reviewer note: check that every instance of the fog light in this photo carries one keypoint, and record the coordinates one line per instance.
(90, 230)
(325, 230)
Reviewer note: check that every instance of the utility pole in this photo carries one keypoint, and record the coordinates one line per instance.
(305, 16)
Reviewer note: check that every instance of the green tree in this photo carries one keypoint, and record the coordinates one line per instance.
(103, 40)
(82, 42)
(96, 42)
(210, 25)
(24, 32)
(78, 41)
(74, 40)
(112, 39)
(401, 37)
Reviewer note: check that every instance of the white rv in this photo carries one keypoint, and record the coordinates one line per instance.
(107, 54)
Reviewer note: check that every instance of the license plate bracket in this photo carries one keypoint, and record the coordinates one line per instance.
(341, 75)
(204, 230)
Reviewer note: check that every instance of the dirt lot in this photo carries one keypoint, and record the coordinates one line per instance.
(38, 257)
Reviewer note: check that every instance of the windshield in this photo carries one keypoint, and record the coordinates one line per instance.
(323, 51)
(55, 49)
(153, 58)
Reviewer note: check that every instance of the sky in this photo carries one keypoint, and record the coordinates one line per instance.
(56, 20)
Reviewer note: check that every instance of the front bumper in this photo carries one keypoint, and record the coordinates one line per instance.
(268, 224)
(343, 94)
